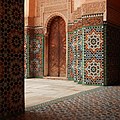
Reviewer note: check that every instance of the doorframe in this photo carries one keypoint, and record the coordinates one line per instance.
(48, 21)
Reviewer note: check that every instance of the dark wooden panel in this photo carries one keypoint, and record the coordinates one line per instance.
(57, 48)
(53, 48)
(62, 48)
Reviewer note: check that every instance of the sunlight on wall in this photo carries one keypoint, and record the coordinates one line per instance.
(26, 8)
(77, 3)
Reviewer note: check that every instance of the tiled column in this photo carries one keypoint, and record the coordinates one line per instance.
(34, 52)
(11, 58)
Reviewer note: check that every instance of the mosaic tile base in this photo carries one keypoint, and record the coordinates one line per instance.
(93, 55)
(33, 46)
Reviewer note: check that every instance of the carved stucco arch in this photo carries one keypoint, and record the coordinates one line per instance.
(51, 17)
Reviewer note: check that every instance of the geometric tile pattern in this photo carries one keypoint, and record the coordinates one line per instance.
(93, 55)
(11, 57)
(35, 43)
(36, 49)
(86, 50)
(75, 49)
(71, 53)
(80, 56)
(26, 53)
(102, 103)
(75, 52)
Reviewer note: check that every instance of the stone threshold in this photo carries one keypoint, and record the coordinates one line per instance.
(55, 78)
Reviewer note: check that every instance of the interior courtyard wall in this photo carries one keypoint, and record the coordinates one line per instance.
(12, 80)
(90, 13)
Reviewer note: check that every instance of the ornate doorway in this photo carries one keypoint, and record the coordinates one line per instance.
(57, 48)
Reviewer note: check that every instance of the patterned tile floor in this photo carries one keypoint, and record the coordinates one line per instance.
(102, 103)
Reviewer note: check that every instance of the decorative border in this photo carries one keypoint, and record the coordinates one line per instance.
(105, 55)
(70, 60)
(92, 20)
(26, 61)
(74, 33)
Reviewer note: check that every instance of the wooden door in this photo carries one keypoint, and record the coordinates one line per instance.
(57, 48)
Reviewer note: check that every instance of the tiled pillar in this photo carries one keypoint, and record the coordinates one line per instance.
(11, 58)
(34, 39)
(113, 43)
(86, 50)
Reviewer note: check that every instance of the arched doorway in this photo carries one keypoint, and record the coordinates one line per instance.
(56, 45)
